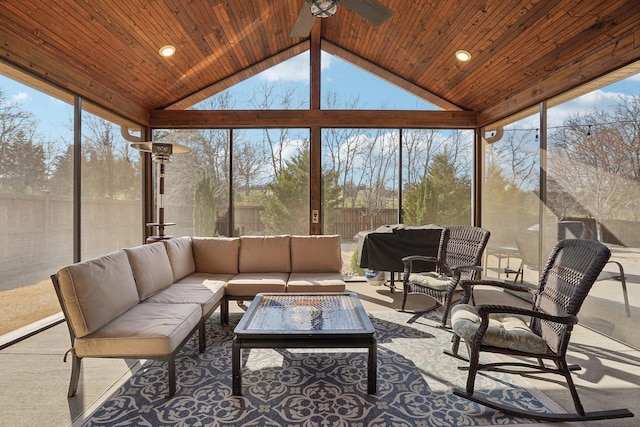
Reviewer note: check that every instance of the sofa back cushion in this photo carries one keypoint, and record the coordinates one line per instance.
(316, 254)
(97, 291)
(180, 257)
(216, 254)
(264, 254)
(151, 268)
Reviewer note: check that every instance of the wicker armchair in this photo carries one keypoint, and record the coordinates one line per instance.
(459, 258)
(571, 270)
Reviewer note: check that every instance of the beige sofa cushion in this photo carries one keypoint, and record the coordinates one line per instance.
(97, 291)
(317, 254)
(144, 330)
(315, 282)
(180, 257)
(207, 294)
(201, 277)
(151, 268)
(216, 254)
(264, 254)
(250, 284)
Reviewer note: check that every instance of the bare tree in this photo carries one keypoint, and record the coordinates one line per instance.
(343, 148)
(591, 160)
(419, 146)
(105, 152)
(378, 173)
(277, 142)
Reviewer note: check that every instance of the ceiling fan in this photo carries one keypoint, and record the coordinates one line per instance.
(372, 10)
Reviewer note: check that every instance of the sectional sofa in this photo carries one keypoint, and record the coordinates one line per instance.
(146, 302)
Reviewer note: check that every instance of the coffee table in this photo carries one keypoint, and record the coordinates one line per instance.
(305, 320)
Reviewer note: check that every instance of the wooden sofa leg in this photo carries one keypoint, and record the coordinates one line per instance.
(76, 363)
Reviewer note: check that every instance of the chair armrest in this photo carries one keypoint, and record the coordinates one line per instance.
(409, 259)
(408, 263)
(497, 284)
(467, 287)
(485, 309)
(459, 268)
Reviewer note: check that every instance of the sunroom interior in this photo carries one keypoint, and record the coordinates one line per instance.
(500, 141)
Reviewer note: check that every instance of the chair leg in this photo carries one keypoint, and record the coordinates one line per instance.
(202, 336)
(474, 362)
(405, 294)
(76, 364)
(623, 281)
(564, 368)
(224, 311)
(445, 314)
(171, 373)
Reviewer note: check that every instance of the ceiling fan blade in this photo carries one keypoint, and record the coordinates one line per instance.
(372, 10)
(304, 22)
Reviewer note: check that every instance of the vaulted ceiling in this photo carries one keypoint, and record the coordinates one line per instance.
(523, 51)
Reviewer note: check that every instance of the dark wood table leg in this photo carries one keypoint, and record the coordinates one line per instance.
(372, 367)
(236, 372)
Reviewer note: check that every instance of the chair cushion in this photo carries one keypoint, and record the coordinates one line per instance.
(151, 268)
(145, 330)
(431, 280)
(216, 254)
(207, 293)
(316, 254)
(504, 331)
(97, 291)
(180, 257)
(250, 284)
(314, 282)
(201, 277)
(265, 254)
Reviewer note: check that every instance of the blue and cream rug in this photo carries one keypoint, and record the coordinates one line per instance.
(304, 388)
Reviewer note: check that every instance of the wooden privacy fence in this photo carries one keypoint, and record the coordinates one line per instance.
(37, 231)
(346, 222)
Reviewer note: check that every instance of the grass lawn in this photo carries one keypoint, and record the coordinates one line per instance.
(28, 304)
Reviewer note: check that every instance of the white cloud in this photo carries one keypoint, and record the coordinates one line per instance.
(295, 69)
(598, 99)
(20, 98)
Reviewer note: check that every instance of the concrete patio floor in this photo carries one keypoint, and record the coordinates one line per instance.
(34, 381)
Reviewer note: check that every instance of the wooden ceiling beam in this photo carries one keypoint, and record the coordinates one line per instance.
(625, 48)
(259, 119)
(46, 66)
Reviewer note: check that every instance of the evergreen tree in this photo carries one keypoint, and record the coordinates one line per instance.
(61, 181)
(441, 197)
(287, 204)
(204, 209)
(24, 168)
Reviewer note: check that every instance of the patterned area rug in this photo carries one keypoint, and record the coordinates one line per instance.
(304, 388)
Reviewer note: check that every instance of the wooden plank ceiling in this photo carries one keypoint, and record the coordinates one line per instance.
(523, 50)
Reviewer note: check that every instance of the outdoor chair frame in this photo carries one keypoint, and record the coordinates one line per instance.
(459, 258)
(572, 268)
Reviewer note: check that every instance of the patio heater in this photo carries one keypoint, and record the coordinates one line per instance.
(161, 153)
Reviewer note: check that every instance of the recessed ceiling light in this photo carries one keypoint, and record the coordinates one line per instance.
(463, 55)
(167, 50)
